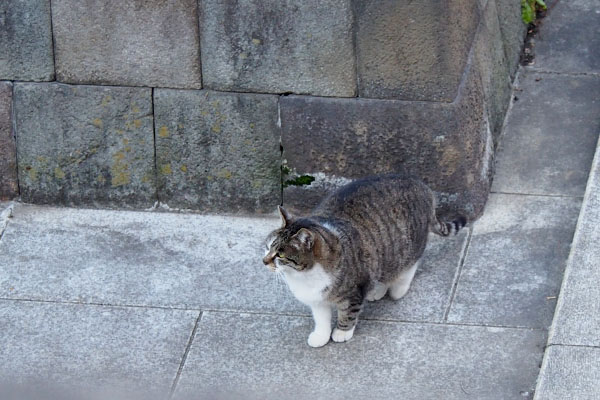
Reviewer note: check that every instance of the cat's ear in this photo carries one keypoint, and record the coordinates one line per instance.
(285, 217)
(306, 238)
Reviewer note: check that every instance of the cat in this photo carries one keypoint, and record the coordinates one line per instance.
(362, 241)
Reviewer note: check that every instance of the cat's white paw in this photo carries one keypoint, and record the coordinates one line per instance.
(342, 336)
(318, 339)
(377, 292)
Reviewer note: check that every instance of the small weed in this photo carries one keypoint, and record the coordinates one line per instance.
(529, 8)
(302, 180)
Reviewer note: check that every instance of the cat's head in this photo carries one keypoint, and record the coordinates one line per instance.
(299, 244)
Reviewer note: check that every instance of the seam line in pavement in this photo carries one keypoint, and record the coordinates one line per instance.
(185, 354)
(267, 313)
(461, 263)
(573, 74)
(585, 346)
(538, 195)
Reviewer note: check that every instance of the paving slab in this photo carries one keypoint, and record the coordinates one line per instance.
(515, 261)
(577, 319)
(178, 260)
(569, 38)
(550, 136)
(258, 356)
(569, 372)
(94, 346)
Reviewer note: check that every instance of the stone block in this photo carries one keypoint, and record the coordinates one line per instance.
(266, 356)
(448, 145)
(93, 347)
(515, 262)
(274, 46)
(26, 40)
(85, 145)
(413, 50)
(569, 40)
(577, 317)
(569, 372)
(550, 136)
(217, 151)
(490, 60)
(513, 31)
(133, 43)
(9, 187)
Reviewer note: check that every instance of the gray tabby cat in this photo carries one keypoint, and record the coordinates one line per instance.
(364, 240)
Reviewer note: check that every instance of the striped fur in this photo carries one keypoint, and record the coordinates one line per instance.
(367, 234)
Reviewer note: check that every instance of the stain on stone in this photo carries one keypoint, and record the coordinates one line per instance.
(165, 169)
(97, 122)
(59, 173)
(163, 132)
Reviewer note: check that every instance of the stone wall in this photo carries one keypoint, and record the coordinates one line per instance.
(229, 105)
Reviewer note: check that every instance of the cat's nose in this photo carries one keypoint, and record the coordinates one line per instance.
(267, 259)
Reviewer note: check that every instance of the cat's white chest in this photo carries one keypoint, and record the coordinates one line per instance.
(308, 286)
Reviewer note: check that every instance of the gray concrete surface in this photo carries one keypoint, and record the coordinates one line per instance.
(551, 135)
(568, 49)
(265, 357)
(570, 372)
(93, 346)
(577, 320)
(515, 262)
(569, 41)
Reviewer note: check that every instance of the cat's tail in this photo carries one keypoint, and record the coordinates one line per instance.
(447, 228)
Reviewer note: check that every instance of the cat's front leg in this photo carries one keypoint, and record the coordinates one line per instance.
(322, 315)
(347, 318)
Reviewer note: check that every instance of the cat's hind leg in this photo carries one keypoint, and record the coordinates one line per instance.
(379, 290)
(400, 286)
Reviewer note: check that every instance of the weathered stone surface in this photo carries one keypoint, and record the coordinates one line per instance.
(513, 31)
(569, 39)
(577, 319)
(569, 373)
(26, 40)
(85, 145)
(179, 260)
(519, 248)
(550, 136)
(8, 158)
(413, 50)
(274, 46)
(265, 356)
(138, 43)
(490, 60)
(93, 346)
(218, 151)
(335, 140)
